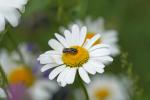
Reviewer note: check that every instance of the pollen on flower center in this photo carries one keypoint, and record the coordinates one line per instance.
(102, 93)
(75, 59)
(90, 35)
(21, 75)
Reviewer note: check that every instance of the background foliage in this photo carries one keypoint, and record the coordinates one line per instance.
(129, 17)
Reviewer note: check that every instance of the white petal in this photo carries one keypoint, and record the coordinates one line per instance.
(56, 71)
(55, 45)
(83, 33)
(2, 23)
(100, 52)
(68, 37)
(104, 59)
(61, 76)
(92, 41)
(99, 70)
(75, 34)
(61, 40)
(20, 4)
(89, 67)
(7, 62)
(71, 75)
(45, 58)
(9, 10)
(115, 50)
(2, 93)
(48, 66)
(110, 36)
(63, 83)
(98, 46)
(84, 75)
(58, 59)
(67, 76)
(12, 16)
(99, 67)
(53, 52)
(13, 4)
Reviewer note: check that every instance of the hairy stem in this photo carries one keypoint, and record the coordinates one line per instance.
(83, 88)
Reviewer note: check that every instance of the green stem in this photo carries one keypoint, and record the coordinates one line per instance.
(5, 82)
(60, 10)
(4, 77)
(16, 47)
(84, 88)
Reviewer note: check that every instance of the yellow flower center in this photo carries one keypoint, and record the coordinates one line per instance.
(102, 94)
(75, 59)
(21, 75)
(90, 35)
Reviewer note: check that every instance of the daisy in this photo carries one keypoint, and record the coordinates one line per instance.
(10, 12)
(109, 87)
(73, 53)
(109, 37)
(26, 75)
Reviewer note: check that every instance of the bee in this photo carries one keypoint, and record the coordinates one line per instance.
(70, 50)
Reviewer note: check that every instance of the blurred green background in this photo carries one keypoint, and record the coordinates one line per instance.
(130, 17)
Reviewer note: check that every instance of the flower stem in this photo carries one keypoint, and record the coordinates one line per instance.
(84, 88)
(4, 77)
(60, 10)
(4, 82)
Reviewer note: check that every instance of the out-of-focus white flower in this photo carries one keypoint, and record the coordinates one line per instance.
(2, 93)
(43, 90)
(26, 49)
(109, 87)
(109, 37)
(73, 53)
(18, 72)
(10, 12)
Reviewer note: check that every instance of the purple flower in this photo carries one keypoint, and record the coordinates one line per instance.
(17, 92)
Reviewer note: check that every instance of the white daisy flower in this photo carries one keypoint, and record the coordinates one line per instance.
(27, 53)
(109, 87)
(109, 37)
(71, 53)
(20, 73)
(10, 12)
